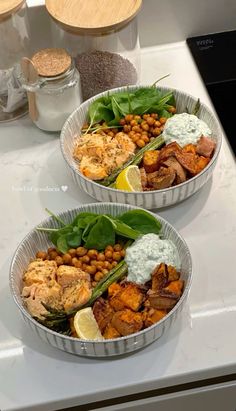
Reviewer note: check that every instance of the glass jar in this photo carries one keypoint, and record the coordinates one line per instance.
(56, 92)
(103, 39)
(14, 44)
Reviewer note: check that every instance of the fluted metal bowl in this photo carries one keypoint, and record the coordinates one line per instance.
(36, 240)
(148, 199)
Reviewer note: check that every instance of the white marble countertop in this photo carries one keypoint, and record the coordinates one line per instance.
(33, 375)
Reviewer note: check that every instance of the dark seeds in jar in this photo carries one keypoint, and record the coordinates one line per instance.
(102, 70)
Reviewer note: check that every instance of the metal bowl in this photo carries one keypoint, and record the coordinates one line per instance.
(36, 240)
(147, 199)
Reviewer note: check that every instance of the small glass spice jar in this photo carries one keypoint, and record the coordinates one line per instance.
(14, 44)
(57, 89)
(103, 38)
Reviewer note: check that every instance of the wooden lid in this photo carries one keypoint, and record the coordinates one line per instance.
(93, 16)
(8, 7)
(51, 62)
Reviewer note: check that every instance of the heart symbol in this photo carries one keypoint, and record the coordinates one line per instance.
(64, 188)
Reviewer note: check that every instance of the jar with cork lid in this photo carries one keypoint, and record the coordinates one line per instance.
(53, 87)
(14, 44)
(102, 36)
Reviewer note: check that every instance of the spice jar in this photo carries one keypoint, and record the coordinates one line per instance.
(103, 38)
(14, 43)
(57, 89)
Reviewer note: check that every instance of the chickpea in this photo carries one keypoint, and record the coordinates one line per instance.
(111, 133)
(42, 255)
(157, 123)
(51, 249)
(117, 247)
(98, 276)
(172, 109)
(137, 117)
(105, 271)
(109, 248)
(81, 251)
(122, 122)
(93, 263)
(122, 253)
(52, 255)
(109, 266)
(131, 133)
(136, 137)
(145, 116)
(127, 128)
(129, 117)
(145, 138)
(100, 264)
(85, 259)
(67, 258)
(72, 252)
(154, 115)
(85, 267)
(91, 269)
(162, 120)
(162, 128)
(108, 254)
(59, 260)
(145, 126)
(150, 121)
(106, 264)
(94, 283)
(133, 123)
(92, 254)
(137, 129)
(113, 264)
(76, 263)
(116, 256)
(140, 143)
(101, 257)
(156, 131)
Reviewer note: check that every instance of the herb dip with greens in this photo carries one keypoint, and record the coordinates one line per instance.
(146, 253)
(185, 129)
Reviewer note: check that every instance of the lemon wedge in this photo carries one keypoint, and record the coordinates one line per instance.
(129, 179)
(86, 326)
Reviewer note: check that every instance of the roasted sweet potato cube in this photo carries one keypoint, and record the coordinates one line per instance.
(127, 322)
(113, 289)
(162, 300)
(201, 163)
(189, 148)
(131, 296)
(111, 332)
(173, 274)
(176, 287)
(153, 316)
(103, 313)
(150, 161)
(159, 277)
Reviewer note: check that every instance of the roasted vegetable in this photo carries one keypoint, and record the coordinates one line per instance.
(150, 161)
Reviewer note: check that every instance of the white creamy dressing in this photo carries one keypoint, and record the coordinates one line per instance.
(146, 253)
(185, 129)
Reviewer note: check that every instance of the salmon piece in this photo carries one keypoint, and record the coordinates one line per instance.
(153, 316)
(127, 322)
(111, 332)
(40, 271)
(76, 295)
(49, 293)
(66, 275)
(103, 313)
(176, 287)
(100, 154)
(131, 296)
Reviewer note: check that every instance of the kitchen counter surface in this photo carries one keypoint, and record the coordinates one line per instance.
(201, 344)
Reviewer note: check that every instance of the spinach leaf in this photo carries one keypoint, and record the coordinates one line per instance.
(123, 229)
(74, 239)
(83, 219)
(89, 227)
(62, 244)
(141, 221)
(101, 234)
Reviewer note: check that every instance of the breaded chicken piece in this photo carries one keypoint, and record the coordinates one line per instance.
(131, 296)
(127, 322)
(39, 272)
(103, 313)
(76, 295)
(66, 275)
(49, 293)
(111, 332)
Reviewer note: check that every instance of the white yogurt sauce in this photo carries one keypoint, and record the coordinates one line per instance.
(185, 129)
(146, 253)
